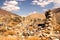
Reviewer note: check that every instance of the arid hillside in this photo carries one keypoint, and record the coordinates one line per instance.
(35, 18)
(36, 26)
(57, 14)
(8, 18)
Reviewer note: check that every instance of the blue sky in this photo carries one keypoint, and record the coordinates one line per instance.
(27, 7)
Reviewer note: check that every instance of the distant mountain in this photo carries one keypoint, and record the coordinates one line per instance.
(56, 10)
(57, 14)
(35, 18)
(9, 19)
(36, 15)
(4, 12)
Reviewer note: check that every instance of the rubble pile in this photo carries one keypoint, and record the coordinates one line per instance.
(33, 27)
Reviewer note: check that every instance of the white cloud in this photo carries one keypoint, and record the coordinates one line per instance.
(56, 3)
(10, 5)
(42, 3)
(10, 8)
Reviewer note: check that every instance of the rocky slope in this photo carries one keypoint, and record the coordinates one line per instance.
(57, 13)
(8, 18)
(32, 27)
(8, 21)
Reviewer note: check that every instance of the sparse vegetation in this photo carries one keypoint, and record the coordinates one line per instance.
(32, 27)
